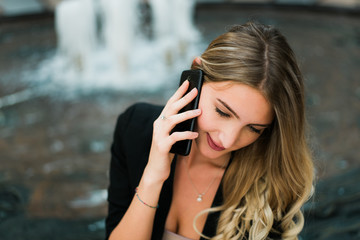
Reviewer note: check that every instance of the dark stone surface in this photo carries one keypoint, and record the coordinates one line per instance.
(54, 148)
(334, 211)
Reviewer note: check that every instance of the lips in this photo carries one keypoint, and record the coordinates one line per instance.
(213, 145)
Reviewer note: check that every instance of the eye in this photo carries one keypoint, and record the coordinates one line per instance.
(255, 130)
(221, 113)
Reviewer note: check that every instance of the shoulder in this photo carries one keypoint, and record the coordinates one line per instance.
(136, 123)
(139, 114)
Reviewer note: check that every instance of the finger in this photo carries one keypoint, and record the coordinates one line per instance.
(181, 117)
(176, 103)
(166, 143)
(176, 96)
(179, 92)
(186, 99)
(166, 124)
(179, 136)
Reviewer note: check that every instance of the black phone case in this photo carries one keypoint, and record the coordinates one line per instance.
(195, 78)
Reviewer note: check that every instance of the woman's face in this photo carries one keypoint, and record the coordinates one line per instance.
(233, 116)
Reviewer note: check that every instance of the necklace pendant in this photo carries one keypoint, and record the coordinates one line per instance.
(199, 198)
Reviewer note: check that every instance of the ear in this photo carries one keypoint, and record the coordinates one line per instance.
(196, 62)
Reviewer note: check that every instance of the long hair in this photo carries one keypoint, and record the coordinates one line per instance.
(268, 181)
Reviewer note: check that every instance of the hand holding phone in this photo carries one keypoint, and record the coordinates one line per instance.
(195, 78)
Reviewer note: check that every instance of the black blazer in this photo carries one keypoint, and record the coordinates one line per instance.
(129, 156)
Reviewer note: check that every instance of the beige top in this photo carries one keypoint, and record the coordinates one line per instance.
(173, 236)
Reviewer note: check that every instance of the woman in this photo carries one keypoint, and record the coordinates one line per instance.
(249, 170)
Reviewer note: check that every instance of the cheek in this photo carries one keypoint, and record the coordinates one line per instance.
(203, 123)
(207, 119)
(246, 139)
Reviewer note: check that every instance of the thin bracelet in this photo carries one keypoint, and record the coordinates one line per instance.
(137, 195)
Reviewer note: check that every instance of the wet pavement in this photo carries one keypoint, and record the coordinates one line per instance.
(54, 146)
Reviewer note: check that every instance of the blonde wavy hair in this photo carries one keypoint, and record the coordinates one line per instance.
(268, 181)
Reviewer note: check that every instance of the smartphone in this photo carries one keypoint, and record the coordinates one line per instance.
(195, 78)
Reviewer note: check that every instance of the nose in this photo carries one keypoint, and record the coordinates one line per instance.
(230, 135)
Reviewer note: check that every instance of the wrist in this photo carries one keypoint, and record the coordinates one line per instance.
(153, 177)
(148, 192)
(148, 205)
(151, 180)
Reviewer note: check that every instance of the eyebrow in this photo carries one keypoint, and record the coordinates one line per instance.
(228, 107)
(261, 125)
(237, 116)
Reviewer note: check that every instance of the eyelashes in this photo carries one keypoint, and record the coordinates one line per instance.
(221, 113)
(225, 115)
(254, 130)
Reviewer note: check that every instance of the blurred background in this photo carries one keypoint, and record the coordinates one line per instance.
(68, 68)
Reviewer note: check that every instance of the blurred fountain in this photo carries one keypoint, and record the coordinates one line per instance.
(76, 32)
(101, 45)
(173, 26)
(120, 22)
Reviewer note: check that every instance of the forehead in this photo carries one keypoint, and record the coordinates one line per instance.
(228, 88)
